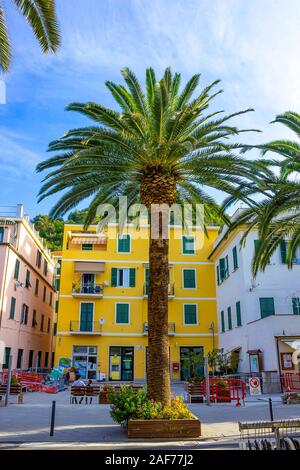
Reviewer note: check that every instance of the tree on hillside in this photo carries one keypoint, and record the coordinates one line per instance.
(162, 147)
(41, 16)
(50, 230)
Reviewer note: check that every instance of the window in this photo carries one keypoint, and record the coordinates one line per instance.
(36, 290)
(34, 322)
(42, 322)
(50, 299)
(256, 246)
(123, 277)
(235, 258)
(30, 359)
(12, 308)
(45, 268)
(222, 322)
(124, 244)
(190, 314)
(188, 245)
(189, 278)
(20, 358)
(296, 305)
(1, 234)
(39, 359)
(238, 314)
(56, 306)
(44, 294)
(122, 313)
(58, 267)
(48, 326)
(27, 281)
(267, 307)
(17, 269)
(38, 259)
(24, 314)
(57, 284)
(87, 246)
(229, 319)
(283, 251)
(223, 271)
(54, 329)
(7, 352)
(46, 359)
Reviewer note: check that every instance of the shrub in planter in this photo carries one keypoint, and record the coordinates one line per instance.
(125, 403)
(104, 396)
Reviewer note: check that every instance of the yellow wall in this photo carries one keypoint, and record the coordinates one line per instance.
(113, 334)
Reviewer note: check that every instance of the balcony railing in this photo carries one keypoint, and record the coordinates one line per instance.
(87, 290)
(171, 328)
(85, 328)
(171, 290)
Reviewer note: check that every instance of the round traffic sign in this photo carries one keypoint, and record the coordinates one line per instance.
(254, 382)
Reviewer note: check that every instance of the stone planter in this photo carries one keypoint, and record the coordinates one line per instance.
(163, 428)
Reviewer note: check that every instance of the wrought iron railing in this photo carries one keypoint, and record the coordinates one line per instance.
(171, 328)
(84, 326)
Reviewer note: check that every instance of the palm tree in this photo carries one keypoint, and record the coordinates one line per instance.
(277, 216)
(41, 16)
(161, 148)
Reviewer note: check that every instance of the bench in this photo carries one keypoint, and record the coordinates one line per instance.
(84, 392)
(194, 391)
(15, 389)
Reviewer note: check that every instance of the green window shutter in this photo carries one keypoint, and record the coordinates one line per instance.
(267, 307)
(229, 318)
(189, 278)
(56, 306)
(17, 269)
(188, 245)
(12, 308)
(1, 234)
(222, 322)
(114, 277)
(222, 269)
(283, 251)
(147, 281)
(226, 267)
(57, 284)
(238, 314)
(27, 282)
(132, 277)
(218, 275)
(190, 314)
(122, 315)
(256, 246)
(296, 305)
(235, 258)
(124, 244)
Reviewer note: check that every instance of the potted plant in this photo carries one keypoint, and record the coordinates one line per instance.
(223, 391)
(104, 397)
(144, 418)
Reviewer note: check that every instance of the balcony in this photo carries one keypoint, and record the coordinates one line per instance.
(171, 329)
(88, 290)
(85, 328)
(171, 290)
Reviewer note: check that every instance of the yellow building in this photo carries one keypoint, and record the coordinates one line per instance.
(102, 311)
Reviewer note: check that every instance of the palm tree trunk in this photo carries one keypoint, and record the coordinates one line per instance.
(158, 379)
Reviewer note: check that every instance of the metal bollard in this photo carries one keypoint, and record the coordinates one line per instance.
(52, 418)
(271, 409)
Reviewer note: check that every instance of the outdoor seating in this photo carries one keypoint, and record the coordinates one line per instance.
(194, 392)
(15, 389)
(89, 391)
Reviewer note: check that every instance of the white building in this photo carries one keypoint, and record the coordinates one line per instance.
(259, 319)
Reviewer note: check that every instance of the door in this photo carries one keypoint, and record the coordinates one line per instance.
(88, 283)
(86, 316)
(121, 363)
(191, 362)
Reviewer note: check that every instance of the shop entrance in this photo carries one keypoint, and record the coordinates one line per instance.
(85, 361)
(121, 363)
(191, 362)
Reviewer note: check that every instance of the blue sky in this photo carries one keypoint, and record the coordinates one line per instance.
(253, 47)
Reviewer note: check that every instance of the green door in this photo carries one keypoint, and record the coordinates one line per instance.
(86, 317)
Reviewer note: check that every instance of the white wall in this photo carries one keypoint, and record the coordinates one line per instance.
(278, 282)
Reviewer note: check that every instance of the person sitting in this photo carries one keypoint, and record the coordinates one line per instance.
(77, 383)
